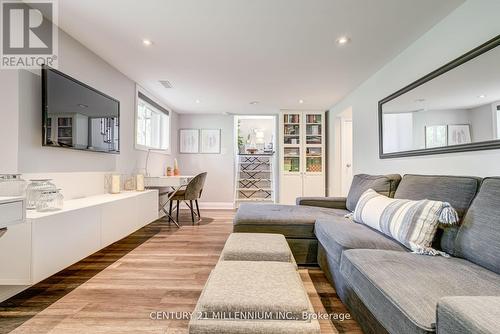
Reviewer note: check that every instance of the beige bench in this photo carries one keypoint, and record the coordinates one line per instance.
(254, 297)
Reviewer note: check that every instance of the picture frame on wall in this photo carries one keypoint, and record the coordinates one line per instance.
(436, 136)
(189, 141)
(459, 134)
(210, 141)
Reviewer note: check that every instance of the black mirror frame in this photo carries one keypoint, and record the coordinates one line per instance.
(485, 145)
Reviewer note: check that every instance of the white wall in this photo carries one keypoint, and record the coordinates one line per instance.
(470, 25)
(20, 130)
(220, 167)
(482, 123)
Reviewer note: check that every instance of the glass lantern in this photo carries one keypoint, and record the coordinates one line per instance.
(50, 200)
(34, 191)
(12, 185)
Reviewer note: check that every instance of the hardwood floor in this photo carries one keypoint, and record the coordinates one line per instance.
(158, 268)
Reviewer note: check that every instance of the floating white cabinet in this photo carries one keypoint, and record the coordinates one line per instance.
(15, 243)
(302, 155)
(62, 239)
(39, 246)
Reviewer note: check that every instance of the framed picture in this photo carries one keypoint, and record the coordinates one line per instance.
(189, 141)
(436, 136)
(210, 141)
(459, 134)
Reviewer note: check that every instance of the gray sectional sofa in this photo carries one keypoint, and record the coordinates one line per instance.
(387, 288)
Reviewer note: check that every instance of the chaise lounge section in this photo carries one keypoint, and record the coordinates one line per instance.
(296, 222)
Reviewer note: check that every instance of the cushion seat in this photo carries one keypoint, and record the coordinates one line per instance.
(337, 234)
(236, 289)
(257, 247)
(402, 289)
(289, 220)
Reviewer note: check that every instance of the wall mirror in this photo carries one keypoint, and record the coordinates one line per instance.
(453, 109)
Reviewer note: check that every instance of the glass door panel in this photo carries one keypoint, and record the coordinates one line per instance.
(314, 129)
(291, 129)
(314, 160)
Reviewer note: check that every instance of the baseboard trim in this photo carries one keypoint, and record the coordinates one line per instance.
(212, 206)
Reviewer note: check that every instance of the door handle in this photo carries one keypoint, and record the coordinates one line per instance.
(348, 165)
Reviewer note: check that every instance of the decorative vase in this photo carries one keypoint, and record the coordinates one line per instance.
(177, 172)
(169, 171)
(139, 183)
(115, 184)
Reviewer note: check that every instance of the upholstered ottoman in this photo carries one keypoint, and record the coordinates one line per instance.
(257, 247)
(245, 297)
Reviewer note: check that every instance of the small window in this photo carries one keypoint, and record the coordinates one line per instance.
(152, 124)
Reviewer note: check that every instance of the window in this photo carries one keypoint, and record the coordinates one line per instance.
(152, 124)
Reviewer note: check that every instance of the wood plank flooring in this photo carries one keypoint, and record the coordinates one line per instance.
(158, 268)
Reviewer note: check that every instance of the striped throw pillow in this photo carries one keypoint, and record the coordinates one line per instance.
(412, 223)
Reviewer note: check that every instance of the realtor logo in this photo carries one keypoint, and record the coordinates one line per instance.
(29, 34)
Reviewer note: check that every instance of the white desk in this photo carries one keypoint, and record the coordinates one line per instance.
(173, 182)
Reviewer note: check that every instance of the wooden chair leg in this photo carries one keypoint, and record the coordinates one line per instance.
(198, 209)
(170, 211)
(192, 210)
(178, 209)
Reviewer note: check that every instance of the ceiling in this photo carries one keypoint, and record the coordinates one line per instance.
(227, 53)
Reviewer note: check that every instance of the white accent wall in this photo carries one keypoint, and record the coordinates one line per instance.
(470, 25)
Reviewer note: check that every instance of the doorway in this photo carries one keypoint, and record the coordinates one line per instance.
(255, 157)
(343, 172)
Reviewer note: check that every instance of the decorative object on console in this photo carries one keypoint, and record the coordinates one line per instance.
(177, 172)
(34, 191)
(129, 182)
(170, 172)
(189, 141)
(50, 200)
(459, 134)
(139, 182)
(115, 184)
(210, 141)
(12, 185)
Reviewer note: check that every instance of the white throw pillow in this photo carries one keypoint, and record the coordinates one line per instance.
(412, 223)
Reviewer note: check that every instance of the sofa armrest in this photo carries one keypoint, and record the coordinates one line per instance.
(324, 202)
(469, 314)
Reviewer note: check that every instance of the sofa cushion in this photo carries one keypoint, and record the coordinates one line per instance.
(478, 239)
(468, 315)
(402, 289)
(289, 220)
(383, 184)
(459, 191)
(337, 234)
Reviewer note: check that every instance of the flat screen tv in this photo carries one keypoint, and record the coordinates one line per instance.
(77, 116)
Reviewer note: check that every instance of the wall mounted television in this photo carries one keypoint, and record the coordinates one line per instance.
(77, 116)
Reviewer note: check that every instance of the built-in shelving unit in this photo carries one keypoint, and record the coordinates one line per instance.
(254, 178)
(302, 158)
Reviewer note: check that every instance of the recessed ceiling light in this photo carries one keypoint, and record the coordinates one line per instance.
(147, 42)
(254, 102)
(343, 40)
(197, 101)
(482, 96)
(301, 101)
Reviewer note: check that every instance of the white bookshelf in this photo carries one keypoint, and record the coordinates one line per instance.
(302, 155)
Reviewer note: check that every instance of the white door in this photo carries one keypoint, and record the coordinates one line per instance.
(346, 155)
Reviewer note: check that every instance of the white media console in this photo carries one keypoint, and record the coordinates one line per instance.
(40, 245)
